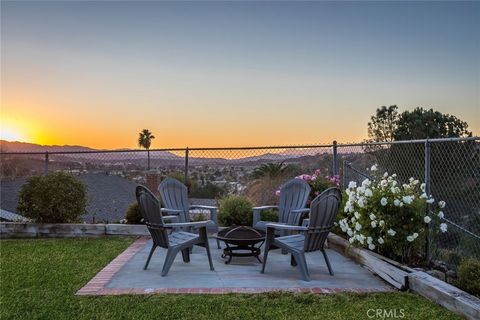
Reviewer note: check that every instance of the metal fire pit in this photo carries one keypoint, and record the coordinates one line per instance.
(241, 241)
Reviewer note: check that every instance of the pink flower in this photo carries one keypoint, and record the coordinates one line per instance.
(305, 177)
(277, 193)
(318, 172)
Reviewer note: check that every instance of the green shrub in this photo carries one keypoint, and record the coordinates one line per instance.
(54, 198)
(469, 276)
(133, 215)
(269, 215)
(235, 210)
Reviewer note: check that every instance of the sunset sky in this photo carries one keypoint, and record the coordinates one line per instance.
(230, 74)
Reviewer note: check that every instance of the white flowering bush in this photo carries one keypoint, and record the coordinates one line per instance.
(388, 217)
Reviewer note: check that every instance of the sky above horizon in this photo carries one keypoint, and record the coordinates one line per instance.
(209, 74)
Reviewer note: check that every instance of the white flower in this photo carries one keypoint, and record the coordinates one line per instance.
(385, 174)
(381, 223)
(361, 189)
(371, 246)
(415, 235)
(368, 192)
(440, 214)
(394, 175)
(443, 227)
(350, 232)
(383, 201)
(357, 215)
(352, 185)
(427, 219)
(393, 190)
(366, 182)
(380, 240)
(383, 183)
(361, 238)
(372, 216)
(422, 186)
(410, 238)
(423, 196)
(361, 202)
(391, 232)
(415, 182)
(411, 179)
(407, 199)
(396, 202)
(358, 226)
(431, 200)
(401, 204)
(373, 224)
(351, 240)
(369, 240)
(374, 168)
(441, 204)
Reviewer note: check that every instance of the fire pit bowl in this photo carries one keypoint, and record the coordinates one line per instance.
(241, 241)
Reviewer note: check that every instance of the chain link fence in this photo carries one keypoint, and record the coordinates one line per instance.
(449, 167)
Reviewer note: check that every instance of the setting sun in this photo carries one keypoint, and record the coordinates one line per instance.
(11, 133)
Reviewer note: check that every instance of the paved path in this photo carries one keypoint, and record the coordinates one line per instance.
(126, 275)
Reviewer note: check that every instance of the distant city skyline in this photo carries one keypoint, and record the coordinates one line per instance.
(203, 74)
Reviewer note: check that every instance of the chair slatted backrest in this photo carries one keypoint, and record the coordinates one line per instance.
(174, 195)
(293, 195)
(323, 211)
(152, 216)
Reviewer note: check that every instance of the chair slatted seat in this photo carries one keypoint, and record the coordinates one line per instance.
(174, 241)
(323, 211)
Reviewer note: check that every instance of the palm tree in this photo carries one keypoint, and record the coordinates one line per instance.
(145, 140)
(272, 170)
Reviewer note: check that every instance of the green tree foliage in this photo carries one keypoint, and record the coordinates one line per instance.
(383, 124)
(54, 198)
(422, 123)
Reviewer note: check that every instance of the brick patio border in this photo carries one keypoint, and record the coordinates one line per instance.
(96, 286)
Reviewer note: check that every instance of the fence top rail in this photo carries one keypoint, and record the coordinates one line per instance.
(171, 149)
(245, 148)
(359, 144)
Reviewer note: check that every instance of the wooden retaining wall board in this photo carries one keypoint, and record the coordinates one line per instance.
(383, 267)
(445, 294)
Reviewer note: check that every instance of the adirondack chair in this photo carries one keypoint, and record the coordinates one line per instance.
(174, 196)
(293, 198)
(175, 241)
(323, 210)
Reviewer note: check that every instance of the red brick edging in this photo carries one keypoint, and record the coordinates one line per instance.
(96, 286)
(97, 283)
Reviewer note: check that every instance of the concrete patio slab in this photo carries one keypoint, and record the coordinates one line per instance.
(126, 275)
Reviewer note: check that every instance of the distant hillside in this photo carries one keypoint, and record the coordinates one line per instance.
(16, 146)
(157, 157)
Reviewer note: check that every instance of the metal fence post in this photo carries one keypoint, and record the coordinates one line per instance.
(428, 192)
(344, 177)
(46, 162)
(335, 159)
(186, 167)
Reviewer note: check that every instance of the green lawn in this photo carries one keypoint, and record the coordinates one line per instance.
(40, 277)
